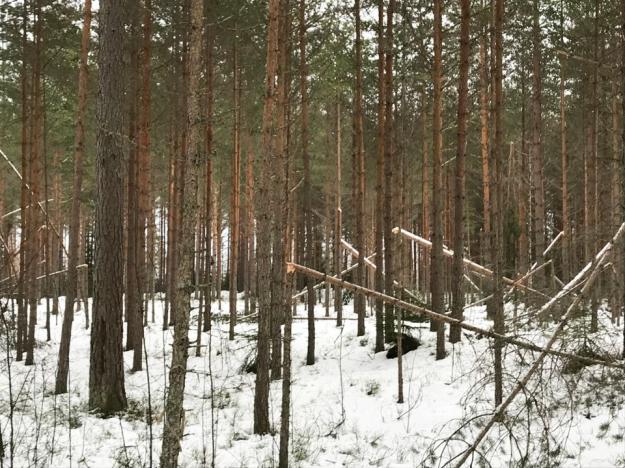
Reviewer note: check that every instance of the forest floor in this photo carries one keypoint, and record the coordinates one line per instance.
(344, 407)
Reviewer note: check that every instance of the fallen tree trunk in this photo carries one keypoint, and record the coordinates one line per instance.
(594, 268)
(512, 287)
(54, 273)
(553, 244)
(304, 291)
(476, 267)
(577, 280)
(373, 266)
(356, 254)
(444, 318)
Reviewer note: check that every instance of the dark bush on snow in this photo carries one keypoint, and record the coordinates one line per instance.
(408, 343)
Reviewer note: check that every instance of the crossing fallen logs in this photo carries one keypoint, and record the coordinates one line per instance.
(294, 267)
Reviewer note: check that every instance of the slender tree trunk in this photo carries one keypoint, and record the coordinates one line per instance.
(22, 319)
(173, 429)
(235, 192)
(426, 208)
(389, 156)
(593, 159)
(496, 164)
(524, 189)
(46, 240)
(359, 213)
(171, 206)
(616, 188)
(285, 410)
(437, 278)
(484, 138)
(261, 391)
(308, 215)
(379, 188)
(564, 158)
(279, 200)
(338, 223)
(106, 371)
(56, 247)
(538, 190)
(34, 177)
(144, 204)
(132, 175)
(327, 236)
(245, 233)
(283, 460)
(463, 94)
(74, 228)
(589, 122)
(218, 243)
(34, 245)
(83, 283)
(251, 269)
(208, 188)
(208, 292)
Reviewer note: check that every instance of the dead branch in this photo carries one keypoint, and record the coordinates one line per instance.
(41, 208)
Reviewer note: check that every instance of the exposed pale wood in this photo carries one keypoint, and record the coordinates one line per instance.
(553, 243)
(577, 279)
(476, 267)
(54, 273)
(444, 318)
(352, 250)
(594, 267)
(607, 69)
(344, 272)
(17, 210)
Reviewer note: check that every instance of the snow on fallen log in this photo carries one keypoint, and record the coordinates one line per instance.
(553, 243)
(577, 280)
(304, 291)
(294, 267)
(593, 268)
(476, 267)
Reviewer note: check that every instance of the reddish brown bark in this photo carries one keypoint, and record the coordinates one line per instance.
(74, 228)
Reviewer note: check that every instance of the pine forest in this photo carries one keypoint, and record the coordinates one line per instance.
(312, 233)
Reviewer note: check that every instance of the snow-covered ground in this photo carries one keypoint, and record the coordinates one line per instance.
(344, 409)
